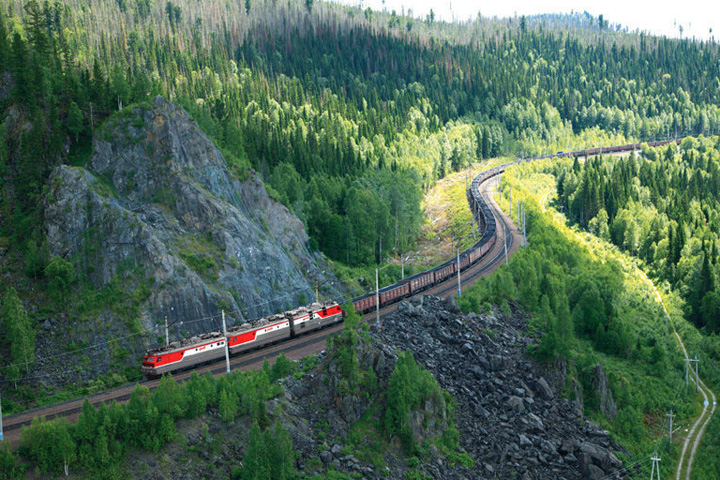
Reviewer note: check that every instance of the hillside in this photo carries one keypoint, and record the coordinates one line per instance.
(177, 159)
(375, 405)
(156, 226)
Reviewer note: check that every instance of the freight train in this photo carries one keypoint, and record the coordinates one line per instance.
(200, 349)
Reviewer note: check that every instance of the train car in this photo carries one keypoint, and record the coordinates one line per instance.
(394, 293)
(364, 303)
(314, 316)
(259, 333)
(419, 282)
(464, 261)
(444, 271)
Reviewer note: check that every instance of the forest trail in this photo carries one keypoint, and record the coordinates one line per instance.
(697, 430)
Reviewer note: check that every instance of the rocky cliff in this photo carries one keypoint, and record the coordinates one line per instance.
(157, 204)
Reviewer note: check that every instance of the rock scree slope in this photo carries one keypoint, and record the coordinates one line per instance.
(511, 420)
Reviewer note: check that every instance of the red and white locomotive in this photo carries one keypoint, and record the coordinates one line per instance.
(210, 346)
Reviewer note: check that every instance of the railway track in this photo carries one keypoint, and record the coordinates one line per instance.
(314, 342)
(294, 349)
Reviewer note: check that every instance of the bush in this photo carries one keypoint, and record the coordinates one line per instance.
(409, 388)
(10, 467)
(60, 274)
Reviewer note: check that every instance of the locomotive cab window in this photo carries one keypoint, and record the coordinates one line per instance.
(157, 360)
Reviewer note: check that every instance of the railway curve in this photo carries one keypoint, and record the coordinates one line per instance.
(479, 260)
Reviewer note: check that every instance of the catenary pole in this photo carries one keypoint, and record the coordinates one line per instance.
(227, 348)
(377, 299)
(458, 272)
(670, 416)
(505, 245)
(655, 467)
(524, 227)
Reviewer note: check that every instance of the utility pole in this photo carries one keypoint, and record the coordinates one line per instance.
(402, 267)
(377, 299)
(167, 333)
(1, 425)
(227, 348)
(688, 369)
(458, 271)
(655, 467)
(317, 294)
(524, 227)
(670, 416)
(506, 256)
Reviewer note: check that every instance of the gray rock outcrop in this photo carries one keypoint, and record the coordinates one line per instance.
(157, 205)
(605, 397)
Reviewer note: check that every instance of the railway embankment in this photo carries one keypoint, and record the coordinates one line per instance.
(506, 407)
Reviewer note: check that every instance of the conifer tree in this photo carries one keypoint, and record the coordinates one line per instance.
(255, 459)
(19, 329)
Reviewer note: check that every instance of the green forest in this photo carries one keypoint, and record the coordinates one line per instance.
(349, 116)
(346, 115)
(663, 208)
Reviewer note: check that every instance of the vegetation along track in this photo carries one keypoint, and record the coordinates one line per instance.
(295, 348)
(695, 434)
(304, 345)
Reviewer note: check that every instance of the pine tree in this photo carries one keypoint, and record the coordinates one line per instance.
(74, 120)
(229, 405)
(19, 328)
(255, 466)
(282, 466)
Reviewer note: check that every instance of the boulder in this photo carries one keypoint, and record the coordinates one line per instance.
(544, 389)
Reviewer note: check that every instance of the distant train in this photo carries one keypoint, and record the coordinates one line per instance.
(200, 349)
